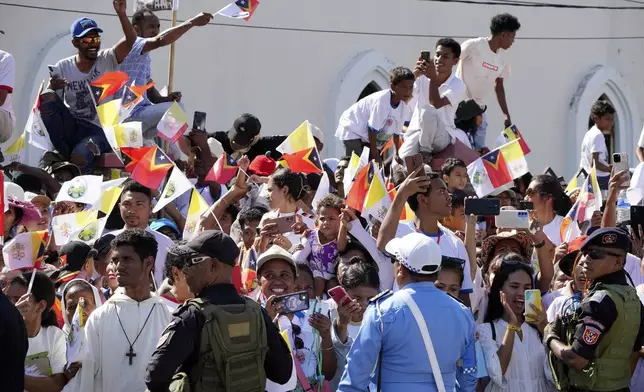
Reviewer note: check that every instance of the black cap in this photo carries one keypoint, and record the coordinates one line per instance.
(608, 237)
(104, 244)
(468, 110)
(65, 165)
(75, 254)
(215, 244)
(244, 130)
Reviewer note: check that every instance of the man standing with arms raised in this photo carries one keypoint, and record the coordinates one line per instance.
(121, 335)
(484, 65)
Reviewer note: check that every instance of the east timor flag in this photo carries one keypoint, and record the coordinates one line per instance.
(496, 168)
(132, 156)
(305, 161)
(107, 85)
(247, 6)
(224, 169)
(152, 168)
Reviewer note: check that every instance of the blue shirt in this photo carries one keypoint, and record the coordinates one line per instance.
(138, 66)
(405, 364)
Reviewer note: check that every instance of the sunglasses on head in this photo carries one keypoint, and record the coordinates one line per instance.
(511, 262)
(597, 254)
(90, 40)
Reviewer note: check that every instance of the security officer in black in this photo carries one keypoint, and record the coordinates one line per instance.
(201, 347)
(609, 325)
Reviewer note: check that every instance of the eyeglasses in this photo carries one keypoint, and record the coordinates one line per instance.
(299, 343)
(196, 260)
(90, 40)
(597, 254)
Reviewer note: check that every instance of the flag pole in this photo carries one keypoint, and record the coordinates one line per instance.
(31, 281)
(165, 144)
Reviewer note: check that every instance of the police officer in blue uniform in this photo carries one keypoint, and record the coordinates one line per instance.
(390, 349)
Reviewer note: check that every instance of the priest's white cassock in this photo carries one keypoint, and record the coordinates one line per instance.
(109, 365)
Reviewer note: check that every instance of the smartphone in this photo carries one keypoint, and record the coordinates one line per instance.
(199, 121)
(526, 205)
(338, 293)
(413, 162)
(318, 306)
(284, 223)
(620, 163)
(637, 219)
(482, 207)
(532, 297)
(294, 302)
(426, 55)
(512, 219)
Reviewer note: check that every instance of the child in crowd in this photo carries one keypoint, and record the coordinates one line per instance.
(249, 224)
(320, 247)
(456, 220)
(374, 119)
(454, 173)
(450, 277)
(593, 148)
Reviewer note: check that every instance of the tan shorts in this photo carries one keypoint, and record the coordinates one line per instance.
(6, 125)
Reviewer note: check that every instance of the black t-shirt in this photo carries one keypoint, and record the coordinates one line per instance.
(263, 145)
(13, 347)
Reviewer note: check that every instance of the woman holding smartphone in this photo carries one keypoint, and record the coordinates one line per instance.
(514, 355)
(551, 204)
(309, 335)
(359, 281)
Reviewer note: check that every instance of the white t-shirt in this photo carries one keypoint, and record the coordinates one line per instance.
(451, 246)
(7, 75)
(640, 143)
(593, 142)
(77, 94)
(479, 67)
(553, 230)
(373, 113)
(453, 89)
(46, 354)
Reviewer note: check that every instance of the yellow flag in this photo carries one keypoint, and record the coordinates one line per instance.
(108, 113)
(572, 185)
(284, 335)
(198, 206)
(300, 139)
(16, 151)
(109, 199)
(124, 135)
(377, 202)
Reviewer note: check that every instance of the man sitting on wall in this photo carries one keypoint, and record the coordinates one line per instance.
(66, 106)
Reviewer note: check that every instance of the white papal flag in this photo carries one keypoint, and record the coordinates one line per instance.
(177, 185)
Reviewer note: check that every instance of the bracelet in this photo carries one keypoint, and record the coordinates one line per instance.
(326, 349)
(539, 245)
(514, 328)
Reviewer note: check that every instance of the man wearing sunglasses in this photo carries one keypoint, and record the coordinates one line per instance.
(608, 332)
(67, 107)
(219, 335)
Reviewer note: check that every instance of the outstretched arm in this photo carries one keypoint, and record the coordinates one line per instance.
(171, 35)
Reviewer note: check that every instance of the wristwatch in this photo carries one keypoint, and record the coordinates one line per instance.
(539, 245)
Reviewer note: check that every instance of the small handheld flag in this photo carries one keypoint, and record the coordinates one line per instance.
(223, 170)
(152, 168)
(305, 161)
(107, 85)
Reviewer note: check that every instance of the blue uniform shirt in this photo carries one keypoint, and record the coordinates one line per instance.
(405, 364)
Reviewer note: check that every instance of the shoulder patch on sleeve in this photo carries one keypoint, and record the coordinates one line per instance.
(591, 335)
(598, 296)
(378, 297)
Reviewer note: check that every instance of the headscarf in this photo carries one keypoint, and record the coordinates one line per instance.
(97, 300)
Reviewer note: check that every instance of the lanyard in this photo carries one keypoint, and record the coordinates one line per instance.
(438, 237)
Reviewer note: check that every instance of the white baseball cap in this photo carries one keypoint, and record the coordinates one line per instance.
(417, 252)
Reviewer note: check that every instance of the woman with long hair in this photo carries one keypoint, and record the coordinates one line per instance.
(46, 357)
(551, 204)
(285, 189)
(514, 355)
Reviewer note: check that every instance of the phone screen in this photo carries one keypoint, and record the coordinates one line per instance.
(294, 302)
(199, 121)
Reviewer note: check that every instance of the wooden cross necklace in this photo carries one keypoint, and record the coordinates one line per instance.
(131, 354)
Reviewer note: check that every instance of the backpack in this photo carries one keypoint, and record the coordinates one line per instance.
(232, 350)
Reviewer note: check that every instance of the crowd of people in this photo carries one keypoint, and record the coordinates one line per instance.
(285, 285)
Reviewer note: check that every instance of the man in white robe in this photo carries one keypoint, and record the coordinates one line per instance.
(122, 334)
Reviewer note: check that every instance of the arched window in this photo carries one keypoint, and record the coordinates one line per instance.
(369, 89)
